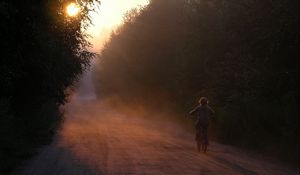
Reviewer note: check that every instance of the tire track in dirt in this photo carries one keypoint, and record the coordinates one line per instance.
(101, 140)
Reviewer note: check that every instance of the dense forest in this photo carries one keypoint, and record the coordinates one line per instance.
(242, 55)
(42, 54)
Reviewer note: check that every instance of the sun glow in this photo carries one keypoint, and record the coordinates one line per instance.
(72, 9)
(108, 17)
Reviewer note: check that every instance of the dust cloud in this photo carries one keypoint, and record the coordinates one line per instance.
(111, 135)
(91, 125)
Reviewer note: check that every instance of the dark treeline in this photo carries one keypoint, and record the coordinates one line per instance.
(42, 54)
(242, 55)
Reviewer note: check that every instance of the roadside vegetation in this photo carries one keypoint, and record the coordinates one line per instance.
(242, 55)
(42, 54)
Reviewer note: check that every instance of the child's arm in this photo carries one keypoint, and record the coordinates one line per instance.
(192, 112)
(211, 111)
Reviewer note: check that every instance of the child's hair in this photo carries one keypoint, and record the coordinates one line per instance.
(203, 101)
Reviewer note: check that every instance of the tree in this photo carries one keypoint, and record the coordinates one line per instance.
(43, 53)
(241, 54)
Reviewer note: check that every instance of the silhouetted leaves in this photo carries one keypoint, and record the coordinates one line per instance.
(42, 53)
(242, 55)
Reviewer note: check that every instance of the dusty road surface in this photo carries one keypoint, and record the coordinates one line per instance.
(97, 139)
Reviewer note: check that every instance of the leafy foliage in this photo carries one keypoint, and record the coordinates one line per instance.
(43, 53)
(242, 55)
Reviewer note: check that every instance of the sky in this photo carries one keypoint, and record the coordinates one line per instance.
(107, 18)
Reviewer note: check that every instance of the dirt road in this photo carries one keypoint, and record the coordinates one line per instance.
(96, 139)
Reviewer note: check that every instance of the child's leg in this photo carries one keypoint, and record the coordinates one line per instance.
(198, 138)
(205, 139)
(198, 146)
(204, 148)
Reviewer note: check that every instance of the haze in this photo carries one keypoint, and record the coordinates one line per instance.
(140, 104)
(108, 17)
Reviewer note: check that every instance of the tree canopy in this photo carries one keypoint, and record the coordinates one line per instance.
(242, 55)
(43, 53)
